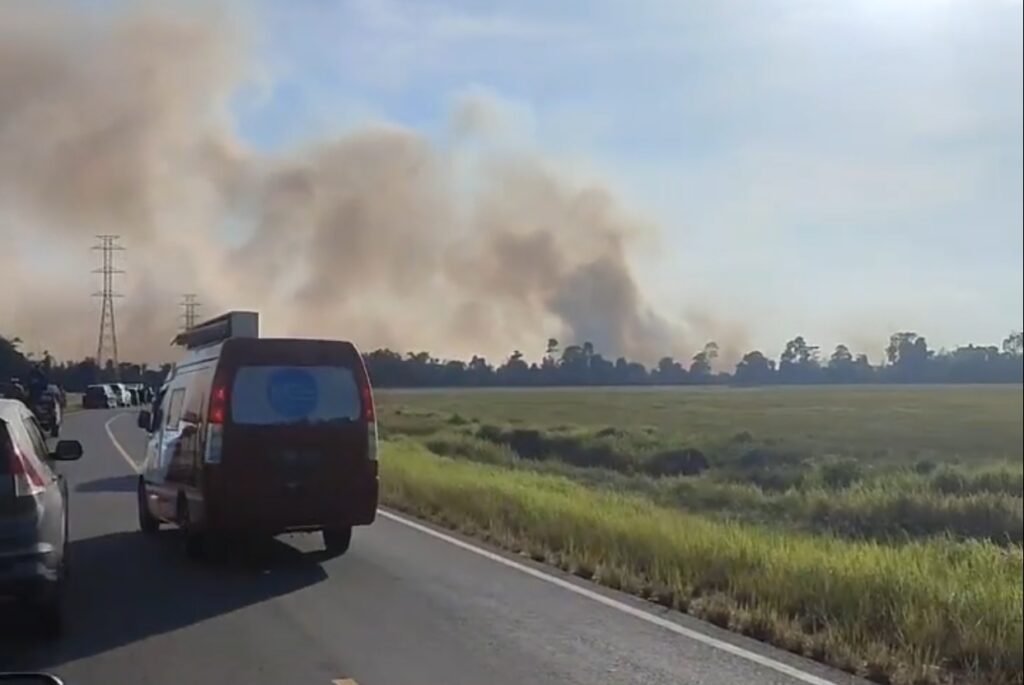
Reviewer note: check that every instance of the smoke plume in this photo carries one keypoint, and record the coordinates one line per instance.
(119, 123)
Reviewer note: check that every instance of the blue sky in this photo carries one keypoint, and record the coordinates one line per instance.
(836, 169)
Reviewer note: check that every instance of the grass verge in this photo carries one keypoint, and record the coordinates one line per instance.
(915, 613)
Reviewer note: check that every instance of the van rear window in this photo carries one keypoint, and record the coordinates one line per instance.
(274, 395)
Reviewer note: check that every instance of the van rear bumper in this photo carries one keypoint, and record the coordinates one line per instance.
(354, 505)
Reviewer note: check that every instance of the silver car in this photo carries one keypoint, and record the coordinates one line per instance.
(33, 516)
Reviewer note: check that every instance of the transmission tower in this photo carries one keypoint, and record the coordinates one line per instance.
(106, 345)
(191, 306)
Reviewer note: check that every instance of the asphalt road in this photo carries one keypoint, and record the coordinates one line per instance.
(406, 606)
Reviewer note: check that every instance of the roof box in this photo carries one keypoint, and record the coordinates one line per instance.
(219, 329)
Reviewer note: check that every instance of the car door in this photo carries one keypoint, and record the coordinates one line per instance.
(162, 444)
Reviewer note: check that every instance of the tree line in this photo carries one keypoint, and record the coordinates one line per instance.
(908, 359)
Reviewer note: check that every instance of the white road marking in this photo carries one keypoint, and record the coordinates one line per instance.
(117, 445)
(672, 626)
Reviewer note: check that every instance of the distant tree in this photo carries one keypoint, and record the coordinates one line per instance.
(514, 371)
(844, 368)
(755, 369)
(799, 362)
(908, 356)
(841, 356)
(574, 365)
(1013, 344)
(669, 372)
(700, 366)
(550, 361)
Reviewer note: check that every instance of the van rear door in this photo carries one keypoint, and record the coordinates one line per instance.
(297, 437)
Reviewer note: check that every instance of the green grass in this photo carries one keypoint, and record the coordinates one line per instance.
(621, 440)
(898, 611)
(887, 509)
(875, 424)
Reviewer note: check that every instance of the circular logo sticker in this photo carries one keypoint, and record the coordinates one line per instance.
(292, 393)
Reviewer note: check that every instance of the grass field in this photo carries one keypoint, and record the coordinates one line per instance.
(960, 424)
(877, 529)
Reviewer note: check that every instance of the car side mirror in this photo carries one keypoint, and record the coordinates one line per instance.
(67, 450)
(145, 420)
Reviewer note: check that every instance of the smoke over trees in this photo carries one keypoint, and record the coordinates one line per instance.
(118, 122)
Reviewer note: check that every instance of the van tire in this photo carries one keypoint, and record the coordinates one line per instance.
(337, 540)
(148, 523)
(195, 542)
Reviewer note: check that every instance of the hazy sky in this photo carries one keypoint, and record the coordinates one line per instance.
(833, 169)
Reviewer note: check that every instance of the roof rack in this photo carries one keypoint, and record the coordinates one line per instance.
(220, 328)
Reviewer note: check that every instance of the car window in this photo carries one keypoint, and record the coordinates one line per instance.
(174, 405)
(35, 434)
(268, 395)
(199, 385)
(30, 443)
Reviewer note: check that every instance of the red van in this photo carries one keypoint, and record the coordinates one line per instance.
(260, 436)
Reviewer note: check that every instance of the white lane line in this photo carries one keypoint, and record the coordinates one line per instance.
(696, 636)
(117, 445)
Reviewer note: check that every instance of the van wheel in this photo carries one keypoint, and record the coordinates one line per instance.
(195, 543)
(148, 523)
(337, 540)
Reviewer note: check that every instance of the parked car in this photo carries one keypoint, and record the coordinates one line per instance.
(99, 397)
(124, 398)
(59, 393)
(33, 516)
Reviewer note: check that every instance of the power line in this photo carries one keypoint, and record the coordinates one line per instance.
(191, 306)
(106, 344)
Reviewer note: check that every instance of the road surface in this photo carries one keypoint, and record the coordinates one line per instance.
(406, 606)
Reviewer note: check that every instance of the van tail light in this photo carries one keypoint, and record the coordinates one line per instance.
(28, 481)
(369, 411)
(218, 403)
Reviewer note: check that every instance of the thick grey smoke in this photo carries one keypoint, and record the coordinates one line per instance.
(119, 124)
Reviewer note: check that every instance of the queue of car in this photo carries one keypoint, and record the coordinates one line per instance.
(114, 395)
(247, 437)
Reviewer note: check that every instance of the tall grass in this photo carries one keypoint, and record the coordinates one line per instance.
(836, 496)
(897, 611)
